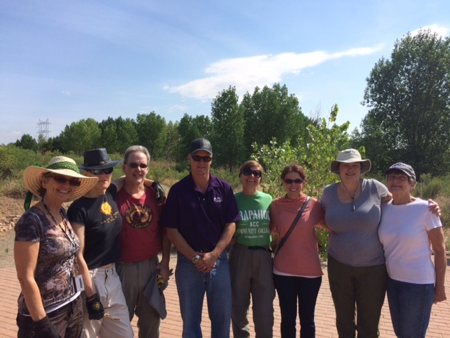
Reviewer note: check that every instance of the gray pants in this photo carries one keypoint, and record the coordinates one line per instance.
(251, 274)
(134, 277)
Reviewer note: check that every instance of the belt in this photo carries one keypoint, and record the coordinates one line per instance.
(264, 248)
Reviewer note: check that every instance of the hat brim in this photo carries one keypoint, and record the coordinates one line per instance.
(365, 165)
(32, 179)
(103, 166)
(201, 149)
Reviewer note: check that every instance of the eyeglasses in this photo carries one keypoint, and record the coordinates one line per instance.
(140, 165)
(250, 172)
(289, 181)
(197, 158)
(97, 172)
(401, 178)
(63, 180)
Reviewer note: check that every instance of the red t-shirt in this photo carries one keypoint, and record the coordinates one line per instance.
(141, 235)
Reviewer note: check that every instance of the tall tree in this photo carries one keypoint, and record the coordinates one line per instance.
(27, 142)
(151, 130)
(272, 113)
(228, 128)
(189, 129)
(409, 101)
(80, 136)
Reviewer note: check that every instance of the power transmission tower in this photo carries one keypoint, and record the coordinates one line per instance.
(43, 129)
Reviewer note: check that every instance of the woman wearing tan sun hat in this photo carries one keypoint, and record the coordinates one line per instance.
(50, 268)
(356, 265)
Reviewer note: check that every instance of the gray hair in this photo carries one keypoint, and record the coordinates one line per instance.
(136, 149)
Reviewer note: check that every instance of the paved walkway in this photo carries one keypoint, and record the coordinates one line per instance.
(171, 326)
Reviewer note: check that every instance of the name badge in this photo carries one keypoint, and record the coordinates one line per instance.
(78, 283)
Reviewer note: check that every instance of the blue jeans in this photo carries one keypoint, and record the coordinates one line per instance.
(410, 307)
(305, 290)
(192, 286)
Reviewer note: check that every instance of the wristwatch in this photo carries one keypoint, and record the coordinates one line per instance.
(195, 259)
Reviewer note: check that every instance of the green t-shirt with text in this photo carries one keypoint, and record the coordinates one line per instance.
(253, 228)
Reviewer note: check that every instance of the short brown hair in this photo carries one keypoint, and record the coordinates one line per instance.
(250, 164)
(294, 167)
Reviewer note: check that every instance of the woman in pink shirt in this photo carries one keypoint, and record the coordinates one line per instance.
(297, 272)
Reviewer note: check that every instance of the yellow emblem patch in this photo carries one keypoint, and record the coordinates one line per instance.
(106, 208)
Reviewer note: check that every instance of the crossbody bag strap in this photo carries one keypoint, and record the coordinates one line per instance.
(294, 223)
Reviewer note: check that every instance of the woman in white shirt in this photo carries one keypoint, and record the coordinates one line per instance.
(406, 231)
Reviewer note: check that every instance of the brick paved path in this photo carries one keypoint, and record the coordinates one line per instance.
(171, 326)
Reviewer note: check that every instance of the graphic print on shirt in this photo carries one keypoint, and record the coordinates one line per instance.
(106, 208)
(139, 216)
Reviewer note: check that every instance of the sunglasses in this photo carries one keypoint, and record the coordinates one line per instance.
(296, 181)
(135, 165)
(63, 180)
(97, 172)
(197, 158)
(250, 172)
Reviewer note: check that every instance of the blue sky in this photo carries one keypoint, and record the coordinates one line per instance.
(70, 60)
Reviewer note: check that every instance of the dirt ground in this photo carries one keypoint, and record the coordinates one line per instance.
(10, 211)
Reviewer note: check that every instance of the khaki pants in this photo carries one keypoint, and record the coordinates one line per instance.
(134, 277)
(108, 286)
(251, 275)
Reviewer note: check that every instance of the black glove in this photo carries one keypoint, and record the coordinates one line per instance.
(94, 307)
(160, 193)
(44, 329)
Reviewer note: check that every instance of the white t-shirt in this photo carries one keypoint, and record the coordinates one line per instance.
(403, 233)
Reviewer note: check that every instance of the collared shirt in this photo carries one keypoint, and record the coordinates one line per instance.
(200, 217)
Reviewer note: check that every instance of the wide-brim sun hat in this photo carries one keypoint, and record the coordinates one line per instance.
(97, 159)
(350, 156)
(59, 165)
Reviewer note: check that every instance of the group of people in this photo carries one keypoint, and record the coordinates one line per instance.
(105, 249)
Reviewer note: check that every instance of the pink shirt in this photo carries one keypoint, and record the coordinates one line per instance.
(300, 254)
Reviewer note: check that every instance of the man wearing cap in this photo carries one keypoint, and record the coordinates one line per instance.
(141, 240)
(200, 217)
(97, 222)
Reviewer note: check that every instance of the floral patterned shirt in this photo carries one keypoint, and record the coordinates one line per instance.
(56, 262)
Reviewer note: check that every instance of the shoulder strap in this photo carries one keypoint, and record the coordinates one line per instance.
(294, 223)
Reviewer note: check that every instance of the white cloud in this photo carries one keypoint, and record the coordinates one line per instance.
(440, 30)
(248, 72)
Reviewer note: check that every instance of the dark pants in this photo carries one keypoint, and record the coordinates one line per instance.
(360, 288)
(290, 289)
(68, 321)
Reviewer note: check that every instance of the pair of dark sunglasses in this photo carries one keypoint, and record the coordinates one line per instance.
(197, 158)
(250, 172)
(62, 180)
(296, 181)
(135, 165)
(98, 172)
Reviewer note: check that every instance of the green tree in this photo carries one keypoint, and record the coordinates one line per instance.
(228, 128)
(314, 153)
(151, 131)
(409, 101)
(27, 142)
(272, 113)
(80, 136)
(190, 128)
(126, 133)
(109, 139)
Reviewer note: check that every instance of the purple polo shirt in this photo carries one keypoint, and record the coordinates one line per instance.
(200, 217)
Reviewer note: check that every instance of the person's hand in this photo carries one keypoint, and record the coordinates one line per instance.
(95, 307)
(434, 208)
(160, 193)
(207, 262)
(439, 294)
(45, 329)
(164, 271)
